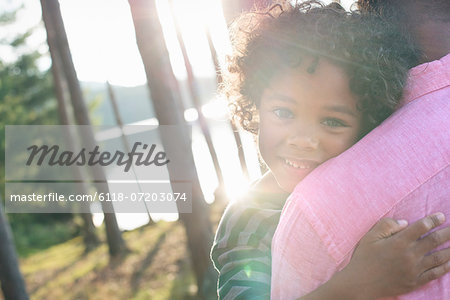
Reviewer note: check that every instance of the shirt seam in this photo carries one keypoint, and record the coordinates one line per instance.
(414, 98)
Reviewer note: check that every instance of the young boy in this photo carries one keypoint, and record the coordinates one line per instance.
(309, 82)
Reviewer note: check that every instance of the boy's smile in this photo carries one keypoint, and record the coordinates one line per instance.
(306, 119)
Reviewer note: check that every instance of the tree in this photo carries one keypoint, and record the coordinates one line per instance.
(25, 92)
(26, 98)
(13, 285)
(51, 14)
(165, 96)
(196, 99)
(90, 238)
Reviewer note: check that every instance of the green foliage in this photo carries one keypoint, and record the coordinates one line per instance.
(8, 17)
(27, 98)
(26, 92)
(31, 237)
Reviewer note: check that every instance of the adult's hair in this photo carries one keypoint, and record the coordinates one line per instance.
(397, 10)
(425, 23)
(374, 56)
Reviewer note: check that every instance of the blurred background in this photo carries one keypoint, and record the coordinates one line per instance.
(119, 63)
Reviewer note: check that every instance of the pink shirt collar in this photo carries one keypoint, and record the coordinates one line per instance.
(426, 78)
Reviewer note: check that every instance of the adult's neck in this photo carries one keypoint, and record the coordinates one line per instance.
(434, 40)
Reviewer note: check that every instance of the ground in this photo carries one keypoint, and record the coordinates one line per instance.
(157, 267)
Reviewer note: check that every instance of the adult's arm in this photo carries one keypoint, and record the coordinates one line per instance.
(384, 263)
(387, 263)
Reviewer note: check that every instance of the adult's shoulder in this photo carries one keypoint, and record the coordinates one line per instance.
(344, 197)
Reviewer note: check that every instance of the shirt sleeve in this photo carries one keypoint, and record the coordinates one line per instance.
(241, 252)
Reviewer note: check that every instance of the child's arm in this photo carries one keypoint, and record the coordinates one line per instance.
(387, 263)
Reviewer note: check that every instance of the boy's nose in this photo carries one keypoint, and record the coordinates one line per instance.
(303, 140)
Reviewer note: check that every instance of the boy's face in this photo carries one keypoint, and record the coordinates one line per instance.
(306, 119)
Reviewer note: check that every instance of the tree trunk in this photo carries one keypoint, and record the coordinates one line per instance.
(51, 14)
(165, 94)
(234, 129)
(112, 98)
(13, 285)
(90, 238)
(195, 96)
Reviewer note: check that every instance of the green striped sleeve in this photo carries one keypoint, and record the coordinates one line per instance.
(241, 251)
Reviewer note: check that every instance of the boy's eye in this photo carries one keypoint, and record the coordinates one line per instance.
(334, 123)
(283, 113)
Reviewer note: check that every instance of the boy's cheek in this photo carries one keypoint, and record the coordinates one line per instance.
(262, 146)
(267, 139)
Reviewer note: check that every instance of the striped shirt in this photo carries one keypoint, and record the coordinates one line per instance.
(242, 247)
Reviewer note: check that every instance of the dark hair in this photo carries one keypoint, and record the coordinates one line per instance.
(375, 57)
(395, 10)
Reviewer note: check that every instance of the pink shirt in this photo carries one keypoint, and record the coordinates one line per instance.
(401, 170)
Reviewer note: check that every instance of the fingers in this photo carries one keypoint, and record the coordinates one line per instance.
(387, 227)
(434, 273)
(436, 259)
(421, 227)
(433, 240)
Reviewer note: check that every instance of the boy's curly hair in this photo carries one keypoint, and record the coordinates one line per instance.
(374, 56)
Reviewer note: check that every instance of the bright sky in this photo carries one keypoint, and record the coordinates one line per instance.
(102, 38)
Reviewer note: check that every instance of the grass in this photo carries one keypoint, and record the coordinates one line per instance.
(31, 238)
(158, 267)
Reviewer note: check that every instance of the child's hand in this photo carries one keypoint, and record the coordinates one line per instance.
(392, 259)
